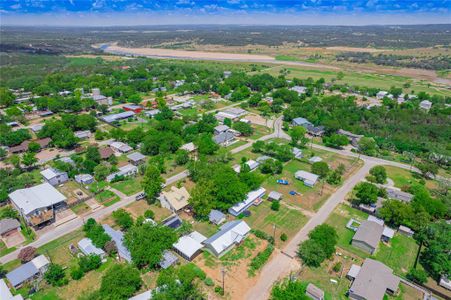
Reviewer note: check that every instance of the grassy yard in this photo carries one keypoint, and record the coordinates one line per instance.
(205, 228)
(403, 177)
(287, 220)
(189, 112)
(138, 208)
(80, 208)
(129, 186)
(399, 254)
(107, 198)
(259, 131)
(4, 250)
(58, 250)
(236, 144)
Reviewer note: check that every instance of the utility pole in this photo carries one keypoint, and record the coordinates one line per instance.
(274, 233)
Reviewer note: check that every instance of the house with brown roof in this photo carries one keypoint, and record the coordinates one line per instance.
(43, 143)
(175, 199)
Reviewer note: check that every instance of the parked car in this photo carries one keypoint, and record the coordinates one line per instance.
(140, 196)
(282, 181)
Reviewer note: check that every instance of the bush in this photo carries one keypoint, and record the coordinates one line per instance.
(219, 290)
(263, 235)
(90, 262)
(149, 214)
(123, 218)
(418, 276)
(96, 233)
(55, 275)
(283, 237)
(259, 260)
(337, 267)
(275, 205)
(77, 274)
(208, 281)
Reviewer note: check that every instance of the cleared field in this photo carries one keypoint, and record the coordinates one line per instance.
(403, 177)
(286, 220)
(129, 186)
(107, 198)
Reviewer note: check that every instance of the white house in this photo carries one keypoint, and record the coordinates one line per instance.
(189, 246)
(37, 204)
(84, 178)
(5, 293)
(308, 178)
(54, 176)
(120, 147)
(252, 198)
(125, 171)
(231, 234)
(299, 89)
(426, 105)
(87, 248)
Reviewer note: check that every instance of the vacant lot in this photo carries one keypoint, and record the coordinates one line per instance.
(107, 198)
(138, 208)
(129, 186)
(403, 177)
(286, 220)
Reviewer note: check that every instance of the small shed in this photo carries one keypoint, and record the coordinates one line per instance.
(8, 226)
(87, 248)
(189, 246)
(315, 159)
(136, 158)
(168, 259)
(353, 272)
(216, 217)
(274, 196)
(405, 230)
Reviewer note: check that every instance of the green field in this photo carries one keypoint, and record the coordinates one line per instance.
(129, 186)
(107, 198)
(288, 221)
(360, 79)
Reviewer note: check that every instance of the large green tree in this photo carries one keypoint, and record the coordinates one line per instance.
(119, 282)
(152, 183)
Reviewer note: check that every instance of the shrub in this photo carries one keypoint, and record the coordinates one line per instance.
(259, 260)
(149, 214)
(55, 275)
(337, 267)
(418, 276)
(208, 281)
(77, 274)
(96, 233)
(90, 262)
(219, 290)
(283, 237)
(263, 235)
(275, 205)
(123, 219)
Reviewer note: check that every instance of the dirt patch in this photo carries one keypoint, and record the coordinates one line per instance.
(138, 208)
(256, 119)
(169, 53)
(48, 154)
(14, 239)
(237, 281)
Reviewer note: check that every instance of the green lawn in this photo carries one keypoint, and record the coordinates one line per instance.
(189, 112)
(129, 186)
(236, 144)
(259, 131)
(205, 228)
(288, 221)
(80, 208)
(107, 198)
(4, 250)
(400, 177)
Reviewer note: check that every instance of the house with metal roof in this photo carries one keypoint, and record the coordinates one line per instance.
(84, 178)
(190, 147)
(168, 259)
(251, 199)
(54, 176)
(189, 246)
(225, 138)
(26, 272)
(308, 178)
(136, 158)
(299, 89)
(37, 204)
(297, 152)
(120, 147)
(221, 128)
(117, 117)
(87, 248)
(5, 293)
(274, 196)
(231, 234)
(300, 122)
(396, 194)
(314, 292)
(175, 199)
(125, 171)
(118, 237)
(151, 113)
(83, 134)
(315, 159)
(372, 281)
(216, 217)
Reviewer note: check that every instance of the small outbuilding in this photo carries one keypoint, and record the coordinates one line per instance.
(168, 259)
(8, 227)
(136, 158)
(405, 230)
(84, 178)
(189, 246)
(314, 292)
(87, 248)
(216, 217)
(54, 176)
(274, 196)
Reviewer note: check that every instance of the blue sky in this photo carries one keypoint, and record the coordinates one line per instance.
(149, 12)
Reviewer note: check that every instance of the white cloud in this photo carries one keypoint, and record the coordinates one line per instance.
(233, 1)
(98, 4)
(16, 6)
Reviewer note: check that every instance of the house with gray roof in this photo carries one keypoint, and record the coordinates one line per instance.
(300, 122)
(297, 152)
(8, 226)
(168, 259)
(225, 138)
(5, 293)
(252, 198)
(54, 176)
(274, 196)
(189, 246)
(37, 204)
(230, 235)
(84, 178)
(372, 281)
(216, 217)
(221, 128)
(136, 158)
(27, 272)
(117, 117)
(399, 195)
(367, 236)
(118, 237)
(308, 178)
(125, 171)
